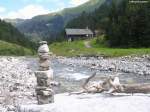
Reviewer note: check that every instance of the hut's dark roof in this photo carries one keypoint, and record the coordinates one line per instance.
(78, 32)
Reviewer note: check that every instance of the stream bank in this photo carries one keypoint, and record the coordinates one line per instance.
(17, 82)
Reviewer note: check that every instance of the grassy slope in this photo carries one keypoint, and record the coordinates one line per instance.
(13, 49)
(43, 25)
(78, 48)
(88, 7)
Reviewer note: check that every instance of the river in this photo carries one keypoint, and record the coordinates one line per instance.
(18, 83)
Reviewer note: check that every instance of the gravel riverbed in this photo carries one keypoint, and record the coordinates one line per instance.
(17, 82)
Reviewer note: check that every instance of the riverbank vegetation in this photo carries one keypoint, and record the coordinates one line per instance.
(11, 34)
(78, 48)
(13, 42)
(7, 49)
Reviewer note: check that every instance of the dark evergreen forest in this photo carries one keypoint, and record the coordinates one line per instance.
(125, 24)
(10, 34)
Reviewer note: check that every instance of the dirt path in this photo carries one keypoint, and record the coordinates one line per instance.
(87, 44)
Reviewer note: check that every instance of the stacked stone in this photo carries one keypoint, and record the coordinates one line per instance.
(44, 90)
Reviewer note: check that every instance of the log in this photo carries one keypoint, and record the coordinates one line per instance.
(87, 80)
(112, 85)
(115, 86)
(136, 88)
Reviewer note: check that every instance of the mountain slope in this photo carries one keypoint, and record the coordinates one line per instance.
(50, 25)
(8, 49)
(97, 20)
(10, 34)
(14, 21)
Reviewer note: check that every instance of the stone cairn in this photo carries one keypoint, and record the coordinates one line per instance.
(44, 75)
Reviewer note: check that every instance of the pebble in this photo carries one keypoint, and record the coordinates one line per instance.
(127, 64)
(16, 74)
(15, 79)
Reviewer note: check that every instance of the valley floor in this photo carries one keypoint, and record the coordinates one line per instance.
(89, 48)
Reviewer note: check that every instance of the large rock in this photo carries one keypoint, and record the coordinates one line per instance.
(44, 55)
(44, 74)
(93, 103)
(45, 99)
(44, 65)
(44, 77)
(43, 47)
(44, 91)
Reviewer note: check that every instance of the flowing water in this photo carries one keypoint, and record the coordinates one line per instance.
(71, 76)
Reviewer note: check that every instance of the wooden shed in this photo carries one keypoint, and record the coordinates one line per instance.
(75, 34)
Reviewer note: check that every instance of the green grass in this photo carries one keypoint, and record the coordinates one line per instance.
(7, 49)
(68, 48)
(77, 48)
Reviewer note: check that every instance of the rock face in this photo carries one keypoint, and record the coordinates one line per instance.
(44, 90)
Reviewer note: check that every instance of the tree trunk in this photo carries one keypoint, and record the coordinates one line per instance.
(136, 88)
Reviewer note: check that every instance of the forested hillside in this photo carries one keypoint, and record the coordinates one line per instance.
(10, 34)
(94, 20)
(14, 21)
(50, 25)
(125, 24)
(129, 25)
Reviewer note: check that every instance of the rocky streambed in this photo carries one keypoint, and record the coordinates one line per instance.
(17, 84)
